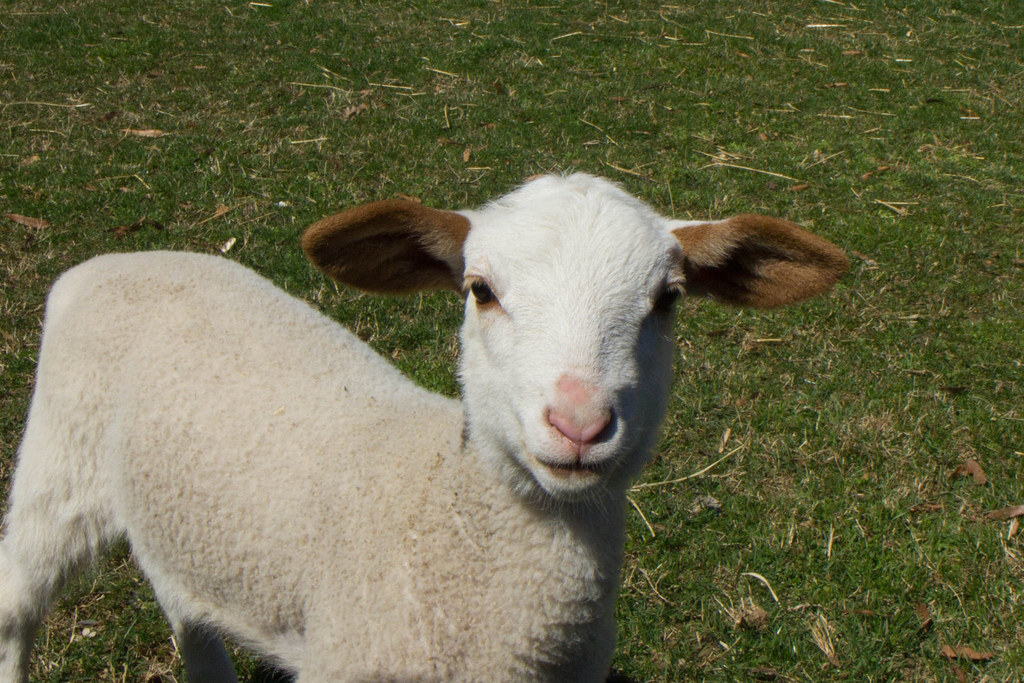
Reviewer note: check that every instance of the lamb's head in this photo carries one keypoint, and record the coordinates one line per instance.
(570, 287)
(567, 343)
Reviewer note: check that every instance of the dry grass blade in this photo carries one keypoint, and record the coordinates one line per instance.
(642, 515)
(754, 170)
(628, 171)
(218, 212)
(821, 632)
(725, 439)
(899, 208)
(144, 132)
(653, 586)
(755, 575)
(657, 484)
(880, 169)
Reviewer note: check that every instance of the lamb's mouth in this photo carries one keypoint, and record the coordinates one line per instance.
(575, 469)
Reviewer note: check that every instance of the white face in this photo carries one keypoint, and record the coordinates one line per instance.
(566, 372)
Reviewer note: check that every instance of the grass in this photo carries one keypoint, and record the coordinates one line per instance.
(828, 538)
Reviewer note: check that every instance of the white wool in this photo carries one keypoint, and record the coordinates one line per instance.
(281, 482)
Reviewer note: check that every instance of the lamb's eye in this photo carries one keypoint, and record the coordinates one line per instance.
(666, 299)
(481, 292)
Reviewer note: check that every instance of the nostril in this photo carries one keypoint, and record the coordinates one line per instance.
(607, 429)
(585, 431)
(591, 431)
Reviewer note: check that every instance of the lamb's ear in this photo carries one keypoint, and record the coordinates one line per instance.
(391, 247)
(757, 261)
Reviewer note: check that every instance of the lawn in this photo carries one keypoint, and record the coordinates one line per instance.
(819, 506)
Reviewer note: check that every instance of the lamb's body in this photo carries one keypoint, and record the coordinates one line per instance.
(280, 481)
(249, 407)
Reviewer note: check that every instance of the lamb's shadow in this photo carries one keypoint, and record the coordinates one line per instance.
(267, 674)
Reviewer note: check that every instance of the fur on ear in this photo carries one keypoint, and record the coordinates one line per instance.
(391, 247)
(757, 261)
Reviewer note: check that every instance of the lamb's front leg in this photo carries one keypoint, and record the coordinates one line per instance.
(19, 620)
(56, 524)
(37, 556)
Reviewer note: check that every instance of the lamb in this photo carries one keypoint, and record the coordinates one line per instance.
(279, 481)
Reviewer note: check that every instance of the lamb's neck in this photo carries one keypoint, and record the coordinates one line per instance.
(556, 565)
(594, 526)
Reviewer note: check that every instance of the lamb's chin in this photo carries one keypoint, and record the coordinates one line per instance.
(567, 481)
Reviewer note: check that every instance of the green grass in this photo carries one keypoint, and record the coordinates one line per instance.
(895, 131)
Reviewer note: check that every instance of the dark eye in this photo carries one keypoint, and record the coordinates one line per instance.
(666, 299)
(481, 292)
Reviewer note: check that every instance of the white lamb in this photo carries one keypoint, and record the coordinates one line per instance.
(279, 481)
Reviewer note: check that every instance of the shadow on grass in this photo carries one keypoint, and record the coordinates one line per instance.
(265, 673)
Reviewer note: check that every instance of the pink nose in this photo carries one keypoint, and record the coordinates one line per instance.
(576, 414)
(580, 433)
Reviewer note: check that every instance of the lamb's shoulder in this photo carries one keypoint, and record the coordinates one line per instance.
(205, 367)
(167, 328)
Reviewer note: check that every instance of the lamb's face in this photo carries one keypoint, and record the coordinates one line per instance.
(570, 283)
(567, 343)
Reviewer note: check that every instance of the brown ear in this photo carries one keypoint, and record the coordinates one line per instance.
(390, 247)
(757, 261)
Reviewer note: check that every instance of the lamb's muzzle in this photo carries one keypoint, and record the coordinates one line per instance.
(580, 414)
(406, 536)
